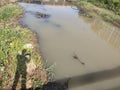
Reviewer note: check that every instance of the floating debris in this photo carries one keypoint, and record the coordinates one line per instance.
(77, 58)
(42, 15)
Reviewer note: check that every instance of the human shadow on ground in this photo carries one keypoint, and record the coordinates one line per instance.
(82, 80)
(21, 69)
(0, 83)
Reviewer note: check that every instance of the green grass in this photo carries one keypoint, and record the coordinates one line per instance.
(12, 41)
(9, 12)
(105, 14)
(113, 5)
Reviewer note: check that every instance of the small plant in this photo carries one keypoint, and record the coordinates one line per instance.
(50, 70)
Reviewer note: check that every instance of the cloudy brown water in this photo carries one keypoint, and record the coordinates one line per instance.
(65, 34)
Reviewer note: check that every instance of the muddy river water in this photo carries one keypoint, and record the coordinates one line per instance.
(69, 40)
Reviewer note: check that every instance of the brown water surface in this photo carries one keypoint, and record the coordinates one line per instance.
(66, 34)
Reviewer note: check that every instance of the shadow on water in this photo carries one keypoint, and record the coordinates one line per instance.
(94, 77)
(21, 70)
(115, 88)
(82, 80)
(46, 21)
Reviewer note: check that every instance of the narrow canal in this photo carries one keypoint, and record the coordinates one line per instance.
(78, 45)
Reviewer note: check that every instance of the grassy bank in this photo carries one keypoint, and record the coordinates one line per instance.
(19, 52)
(107, 15)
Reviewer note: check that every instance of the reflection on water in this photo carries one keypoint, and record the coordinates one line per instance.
(107, 32)
(64, 35)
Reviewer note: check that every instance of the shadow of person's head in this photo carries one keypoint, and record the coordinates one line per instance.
(24, 51)
(26, 54)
